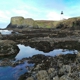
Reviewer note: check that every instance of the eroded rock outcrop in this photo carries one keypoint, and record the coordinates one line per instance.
(8, 47)
(71, 23)
(17, 21)
(21, 22)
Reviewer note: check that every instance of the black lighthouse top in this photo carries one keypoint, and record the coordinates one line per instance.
(61, 12)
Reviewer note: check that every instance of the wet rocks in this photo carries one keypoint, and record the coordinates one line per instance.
(8, 47)
(42, 45)
(9, 62)
(56, 78)
(65, 69)
(78, 54)
(42, 75)
(17, 63)
(61, 67)
(46, 39)
(55, 68)
(5, 62)
(52, 72)
(30, 78)
(65, 77)
(1, 36)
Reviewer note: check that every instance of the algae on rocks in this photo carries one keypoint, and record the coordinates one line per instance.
(8, 47)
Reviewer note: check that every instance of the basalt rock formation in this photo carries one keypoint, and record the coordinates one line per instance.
(22, 23)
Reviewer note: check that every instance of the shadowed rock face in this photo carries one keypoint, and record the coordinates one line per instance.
(8, 47)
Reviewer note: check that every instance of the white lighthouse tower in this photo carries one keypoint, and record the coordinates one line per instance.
(61, 15)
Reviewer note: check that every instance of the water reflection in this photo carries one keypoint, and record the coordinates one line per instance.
(13, 73)
(27, 51)
(6, 32)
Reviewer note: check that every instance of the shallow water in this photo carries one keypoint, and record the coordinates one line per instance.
(13, 73)
(6, 32)
(27, 51)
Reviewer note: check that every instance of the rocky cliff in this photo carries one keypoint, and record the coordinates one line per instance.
(21, 22)
(71, 23)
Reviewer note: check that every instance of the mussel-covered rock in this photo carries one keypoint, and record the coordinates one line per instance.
(8, 47)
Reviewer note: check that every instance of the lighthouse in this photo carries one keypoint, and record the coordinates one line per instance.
(61, 15)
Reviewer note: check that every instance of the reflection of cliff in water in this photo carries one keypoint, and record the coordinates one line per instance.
(27, 51)
(46, 46)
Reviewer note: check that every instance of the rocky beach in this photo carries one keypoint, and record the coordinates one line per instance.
(43, 36)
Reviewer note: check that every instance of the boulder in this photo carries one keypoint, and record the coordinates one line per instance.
(42, 75)
(30, 78)
(38, 67)
(65, 77)
(56, 78)
(65, 69)
(8, 47)
(52, 72)
(78, 54)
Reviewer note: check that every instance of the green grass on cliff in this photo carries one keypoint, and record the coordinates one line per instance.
(71, 22)
(67, 23)
(44, 23)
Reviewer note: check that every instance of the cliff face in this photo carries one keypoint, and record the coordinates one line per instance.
(71, 23)
(17, 21)
(20, 22)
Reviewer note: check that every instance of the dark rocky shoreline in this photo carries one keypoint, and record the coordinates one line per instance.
(45, 36)
(60, 67)
(46, 39)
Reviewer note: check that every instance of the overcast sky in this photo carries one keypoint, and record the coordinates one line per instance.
(38, 9)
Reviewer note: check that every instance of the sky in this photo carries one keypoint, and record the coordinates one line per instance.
(38, 9)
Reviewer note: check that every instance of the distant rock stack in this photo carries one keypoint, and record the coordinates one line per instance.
(17, 21)
(21, 22)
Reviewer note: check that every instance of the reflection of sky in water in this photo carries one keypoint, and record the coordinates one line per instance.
(13, 73)
(5, 32)
(26, 51)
